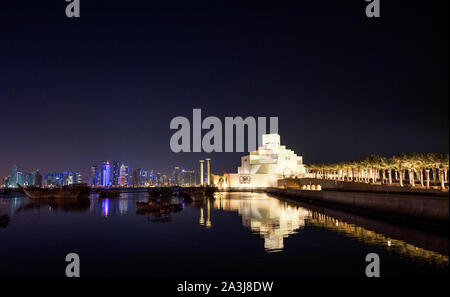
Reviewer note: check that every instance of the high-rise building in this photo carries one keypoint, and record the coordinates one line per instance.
(37, 178)
(6, 182)
(67, 178)
(20, 178)
(13, 179)
(28, 179)
(175, 176)
(115, 173)
(123, 177)
(106, 174)
(53, 179)
(80, 179)
(187, 178)
(158, 179)
(94, 176)
(61, 179)
(136, 177)
(152, 178)
(77, 178)
(143, 177)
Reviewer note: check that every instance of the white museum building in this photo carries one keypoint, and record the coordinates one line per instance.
(265, 166)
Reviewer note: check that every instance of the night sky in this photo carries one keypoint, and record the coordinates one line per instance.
(76, 92)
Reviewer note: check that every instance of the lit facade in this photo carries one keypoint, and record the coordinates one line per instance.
(263, 167)
(106, 174)
(115, 174)
(123, 179)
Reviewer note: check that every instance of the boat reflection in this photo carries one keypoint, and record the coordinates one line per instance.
(159, 208)
(275, 219)
(66, 205)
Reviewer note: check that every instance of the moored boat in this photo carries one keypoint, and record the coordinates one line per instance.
(65, 192)
(109, 193)
(5, 191)
(195, 193)
(153, 207)
(160, 192)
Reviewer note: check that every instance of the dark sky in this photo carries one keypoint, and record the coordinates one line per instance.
(105, 86)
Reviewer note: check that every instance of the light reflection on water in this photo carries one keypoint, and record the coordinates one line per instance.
(271, 218)
(274, 220)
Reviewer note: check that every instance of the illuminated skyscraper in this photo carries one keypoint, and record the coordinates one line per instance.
(158, 178)
(136, 177)
(28, 179)
(94, 178)
(6, 182)
(153, 178)
(53, 179)
(176, 176)
(13, 179)
(164, 180)
(106, 174)
(20, 178)
(143, 177)
(77, 178)
(115, 174)
(37, 178)
(123, 178)
(187, 178)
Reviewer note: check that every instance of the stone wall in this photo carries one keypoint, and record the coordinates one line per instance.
(417, 206)
(326, 184)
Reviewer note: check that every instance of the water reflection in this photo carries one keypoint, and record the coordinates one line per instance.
(273, 219)
(66, 205)
(4, 221)
(201, 205)
(110, 206)
(400, 247)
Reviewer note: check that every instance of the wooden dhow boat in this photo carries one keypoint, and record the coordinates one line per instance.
(195, 193)
(109, 193)
(160, 192)
(66, 192)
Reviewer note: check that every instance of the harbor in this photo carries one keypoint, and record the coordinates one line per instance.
(259, 233)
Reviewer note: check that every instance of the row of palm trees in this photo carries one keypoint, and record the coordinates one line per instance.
(416, 168)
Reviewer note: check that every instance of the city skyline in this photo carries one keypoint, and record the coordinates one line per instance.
(102, 176)
(78, 98)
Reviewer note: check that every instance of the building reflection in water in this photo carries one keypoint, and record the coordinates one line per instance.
(10, 205)
(400, 247)
(109, 206)
(273, 219)
(105, 207)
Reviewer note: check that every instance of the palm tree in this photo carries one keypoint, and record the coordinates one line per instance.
(389, 165)
(428, 161)
(368, 169)
(398, 159)
(442, 163)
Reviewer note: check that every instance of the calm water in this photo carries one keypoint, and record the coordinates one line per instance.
(234, 234)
